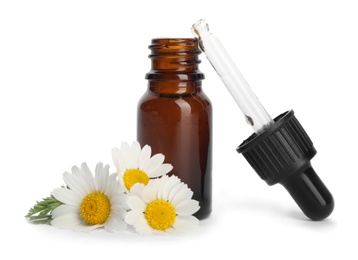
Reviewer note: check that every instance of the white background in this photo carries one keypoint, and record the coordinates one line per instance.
(72, 72)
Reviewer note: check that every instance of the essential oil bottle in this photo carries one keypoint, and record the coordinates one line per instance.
(175, 116)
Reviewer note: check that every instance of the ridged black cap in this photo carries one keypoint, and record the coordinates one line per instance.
(282, 154)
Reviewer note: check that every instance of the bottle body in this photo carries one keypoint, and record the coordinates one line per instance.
(175, 118)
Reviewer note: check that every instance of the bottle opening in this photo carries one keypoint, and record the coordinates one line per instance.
(162, 46)
(175, 59)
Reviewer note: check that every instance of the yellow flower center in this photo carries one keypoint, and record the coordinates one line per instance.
(133, 176)
(95, 208)
(160, 214)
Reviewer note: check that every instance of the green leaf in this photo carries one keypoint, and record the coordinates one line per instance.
(40, 213)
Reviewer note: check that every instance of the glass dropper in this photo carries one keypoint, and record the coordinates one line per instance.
(255, 114)
(280, 150)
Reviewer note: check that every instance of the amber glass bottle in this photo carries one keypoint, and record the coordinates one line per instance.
(175, 116)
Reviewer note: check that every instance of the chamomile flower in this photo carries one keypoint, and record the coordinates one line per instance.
(163, 205)
(90, 202)
(135, 165)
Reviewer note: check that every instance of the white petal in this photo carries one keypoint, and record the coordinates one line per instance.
(119, 199)
(115, 224)
(75, 184)
(183, 194)
(118, 211)
(134, 155)
(119, 187)
(67, 221)
(67, 196)
(161, 170)
(132, 217)
(88, 176)
(101, 177)
(110, 185)
(106, 177)
(115, 155)
(187, 207)
(81, 178)
(137, 189)
(193, 220)
(170, 230)
(118, 160)
(153, 163)
(174, 191)
(125, 149)
(144, 156)
(168, 186)
(136, 203)
(87, 228)
(149, 193)
(121, 180)
(142, 227)
(185, 223)
(75, 170)
(63, 210)
(158, 185)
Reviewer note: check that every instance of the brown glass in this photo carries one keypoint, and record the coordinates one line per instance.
(175, 116)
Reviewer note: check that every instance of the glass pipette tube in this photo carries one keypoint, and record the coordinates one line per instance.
(255, 114)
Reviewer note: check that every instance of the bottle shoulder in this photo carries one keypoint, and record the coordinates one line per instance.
(155, 97)
(193, 102)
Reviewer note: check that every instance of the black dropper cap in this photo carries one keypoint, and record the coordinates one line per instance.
(282, 154)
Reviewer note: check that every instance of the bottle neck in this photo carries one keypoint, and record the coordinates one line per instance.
(174, 66)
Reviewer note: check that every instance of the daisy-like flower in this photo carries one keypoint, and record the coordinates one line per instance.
(135, 165)
(90, 202)
(164, 205)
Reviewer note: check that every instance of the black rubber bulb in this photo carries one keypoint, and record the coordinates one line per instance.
(310, 193)
(282, 154)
